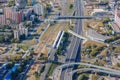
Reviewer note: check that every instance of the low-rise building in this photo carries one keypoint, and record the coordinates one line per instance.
(32, 17)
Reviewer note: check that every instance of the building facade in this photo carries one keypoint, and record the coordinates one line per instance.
(117, 17)
(16, 34)
(20, 3)
(2, 20)
(38, 9)
(2, 1)
(13, 15)
(21, 30)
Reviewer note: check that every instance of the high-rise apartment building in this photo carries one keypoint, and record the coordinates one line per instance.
(38, 9)
(2, 19)
(16, 34)
(20, 3)
(117, 17)
(21, 30)
(2, 1)
(13, 15)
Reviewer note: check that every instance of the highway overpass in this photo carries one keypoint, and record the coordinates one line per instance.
(105, 69)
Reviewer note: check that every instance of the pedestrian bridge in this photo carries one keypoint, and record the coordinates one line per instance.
(77, 35)
(66, 18)
(75, 17)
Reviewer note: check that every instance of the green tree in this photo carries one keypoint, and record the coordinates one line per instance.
(11, 3)
(15, 40)
(71, 6)
(19, 69)
(10, 65)
(1, 39)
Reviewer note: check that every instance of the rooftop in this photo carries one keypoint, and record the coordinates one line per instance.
(114, 27)
(15, 67)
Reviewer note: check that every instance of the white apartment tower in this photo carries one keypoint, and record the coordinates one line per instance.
(16, 34)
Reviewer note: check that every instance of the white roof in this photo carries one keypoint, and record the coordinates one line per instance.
(118, 56)
(98, 10)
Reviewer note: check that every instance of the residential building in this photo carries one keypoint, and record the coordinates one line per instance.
(16, 34)
(26, 32)
(13, 15)
(2, 19)
(27, 13)
(3, 1)
(117, 17)
(20, 3)
(1, 11)
(38, 9)
(23, 29)
(115, 28)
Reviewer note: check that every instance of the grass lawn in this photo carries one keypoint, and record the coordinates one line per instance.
(95, 77)
(40, 28)
(95, 43)
(48, 37)
(31, 42)
(69, 27)
(25, 48)
(70, 10)
(11, 50)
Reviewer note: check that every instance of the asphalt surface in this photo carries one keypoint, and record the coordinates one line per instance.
(75, 43)
(95, 70)
(92, 67)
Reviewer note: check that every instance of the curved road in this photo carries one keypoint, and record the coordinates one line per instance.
(95, 70)
(55, 73)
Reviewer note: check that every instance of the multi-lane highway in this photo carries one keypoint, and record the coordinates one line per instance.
(76, 42)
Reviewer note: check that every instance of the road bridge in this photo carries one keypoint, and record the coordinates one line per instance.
(75, 17)
(67, 18)
(94, 70)
(70, 74)
(55, 75)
